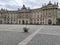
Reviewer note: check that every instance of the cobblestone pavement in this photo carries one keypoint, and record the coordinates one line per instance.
(44, 39)
(13, 34)
(38, 35)
(49, 35)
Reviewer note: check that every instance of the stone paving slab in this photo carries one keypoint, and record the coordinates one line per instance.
(51, 30)
(18, 28)
(49, 35)
(12, 38)
(29, 38)
(13, 34)
(44, 39)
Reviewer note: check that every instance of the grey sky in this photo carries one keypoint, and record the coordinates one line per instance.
(15, 4)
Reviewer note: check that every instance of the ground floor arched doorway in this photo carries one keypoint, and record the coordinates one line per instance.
(49, 21)
(26, 22)
(0, 21)
(19, 22)
(23, 22)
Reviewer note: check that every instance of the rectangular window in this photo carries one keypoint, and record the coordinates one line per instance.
(37, 19)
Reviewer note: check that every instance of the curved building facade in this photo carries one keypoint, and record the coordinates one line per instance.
(47, 14)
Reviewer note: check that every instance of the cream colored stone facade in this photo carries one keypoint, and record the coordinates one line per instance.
(47, 14)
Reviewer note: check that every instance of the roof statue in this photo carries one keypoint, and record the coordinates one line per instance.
(23, 7)
(50, 3)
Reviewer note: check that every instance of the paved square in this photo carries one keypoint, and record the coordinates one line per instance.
(38, 35)
(49, 35)
(13, 34)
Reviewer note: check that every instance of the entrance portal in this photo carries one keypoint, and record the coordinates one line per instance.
(49, 22)
(19, 22)
(0, 21)
(22, 21)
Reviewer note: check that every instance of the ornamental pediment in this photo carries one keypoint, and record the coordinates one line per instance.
(50, 5)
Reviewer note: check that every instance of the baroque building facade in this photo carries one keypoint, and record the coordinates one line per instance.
(47, 14)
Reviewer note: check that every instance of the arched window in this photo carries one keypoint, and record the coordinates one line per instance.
(0, 21)
(26, 22)
(22, 21)
(19, 22)
(49, 22)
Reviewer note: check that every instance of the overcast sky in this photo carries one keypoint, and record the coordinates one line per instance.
(15, 4)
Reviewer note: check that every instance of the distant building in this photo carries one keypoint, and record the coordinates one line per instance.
(47, 14)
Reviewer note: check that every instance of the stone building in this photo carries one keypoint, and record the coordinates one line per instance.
(47, 14)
